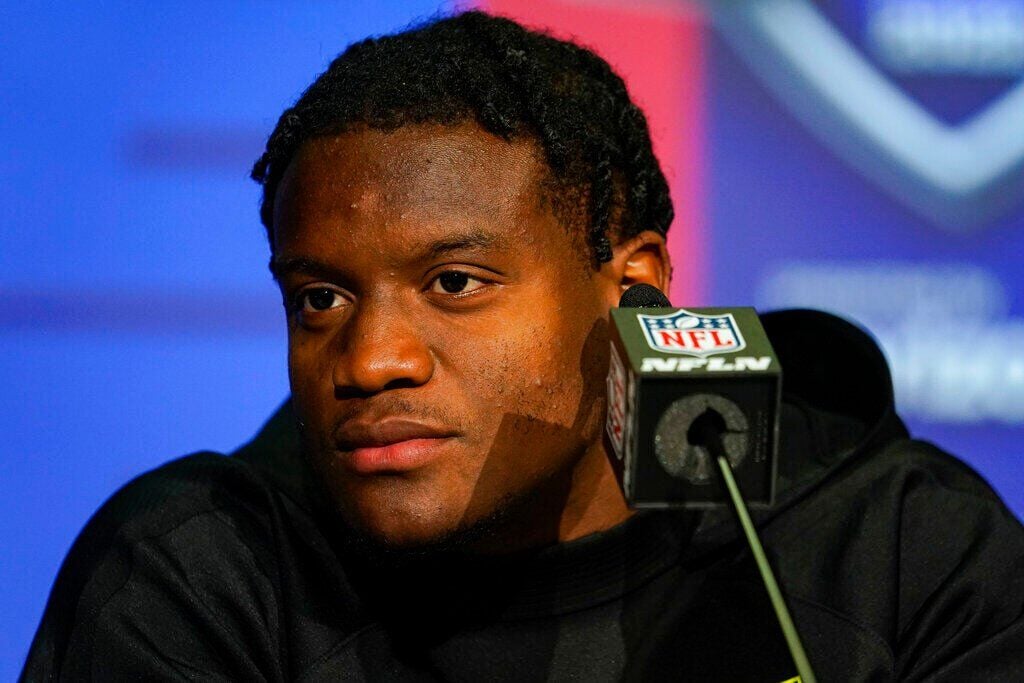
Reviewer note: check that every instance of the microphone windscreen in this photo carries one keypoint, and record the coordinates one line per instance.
(643, 296)
(667, 368)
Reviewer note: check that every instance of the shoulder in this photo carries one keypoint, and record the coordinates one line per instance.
(907, 471)
(903, 494)
(880, 533)
(164, 549)
(224, 495)
(911, 544)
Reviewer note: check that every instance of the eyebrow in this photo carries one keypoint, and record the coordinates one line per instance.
(279, 267)
(477, 239)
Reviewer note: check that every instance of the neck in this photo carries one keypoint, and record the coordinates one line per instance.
(583, 501)
(595, 502)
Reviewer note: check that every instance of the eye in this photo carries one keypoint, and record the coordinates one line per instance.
(316, 299)
(455, 282)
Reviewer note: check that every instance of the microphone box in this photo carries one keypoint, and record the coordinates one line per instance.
(669, 366)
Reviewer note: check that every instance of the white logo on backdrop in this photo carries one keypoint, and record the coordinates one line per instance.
(956, 354)
(959, 176)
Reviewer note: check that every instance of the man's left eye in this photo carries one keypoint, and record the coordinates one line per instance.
(455, 282)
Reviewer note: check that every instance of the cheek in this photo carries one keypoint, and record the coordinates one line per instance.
(536, 380)
(309, 375)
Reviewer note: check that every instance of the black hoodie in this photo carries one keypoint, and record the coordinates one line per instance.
(897, 561)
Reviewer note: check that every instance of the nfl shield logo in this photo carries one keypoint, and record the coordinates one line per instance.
(693, 334)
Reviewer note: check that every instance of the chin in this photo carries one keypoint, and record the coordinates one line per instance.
(387, 546)
(404, 534)
(433, 529)
(397, 519)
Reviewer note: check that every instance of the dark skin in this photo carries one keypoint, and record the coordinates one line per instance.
(429, 285)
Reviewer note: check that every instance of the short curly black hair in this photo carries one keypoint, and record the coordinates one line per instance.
(513, 82)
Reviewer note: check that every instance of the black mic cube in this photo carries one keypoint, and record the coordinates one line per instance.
(670, 366)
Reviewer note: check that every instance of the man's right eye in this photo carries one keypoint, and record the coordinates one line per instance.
(316, 299)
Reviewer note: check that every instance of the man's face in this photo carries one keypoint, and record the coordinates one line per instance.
(447, 342)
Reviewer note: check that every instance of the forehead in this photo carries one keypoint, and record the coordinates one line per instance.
(417, 181)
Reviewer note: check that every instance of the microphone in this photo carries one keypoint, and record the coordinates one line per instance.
(674, 373)
(643, 296)
(683, 402)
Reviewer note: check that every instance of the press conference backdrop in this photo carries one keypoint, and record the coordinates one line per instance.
(861, 157)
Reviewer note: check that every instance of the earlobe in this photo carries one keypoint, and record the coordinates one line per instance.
(642, 258)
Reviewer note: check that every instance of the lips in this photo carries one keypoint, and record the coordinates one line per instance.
(390, 445)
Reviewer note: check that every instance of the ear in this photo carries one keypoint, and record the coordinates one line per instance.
(642, 258)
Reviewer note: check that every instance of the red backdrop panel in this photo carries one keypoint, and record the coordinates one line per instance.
(658, 51)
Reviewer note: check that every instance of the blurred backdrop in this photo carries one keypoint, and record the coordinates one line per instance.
(864, 157)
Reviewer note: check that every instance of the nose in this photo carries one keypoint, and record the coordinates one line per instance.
(381, 349)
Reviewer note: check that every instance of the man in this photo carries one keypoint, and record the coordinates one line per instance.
(452, 211)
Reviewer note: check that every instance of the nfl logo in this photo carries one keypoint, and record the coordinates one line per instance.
(693, 334)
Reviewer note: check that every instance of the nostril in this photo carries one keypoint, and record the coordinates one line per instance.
(342, 392)
(347, 391)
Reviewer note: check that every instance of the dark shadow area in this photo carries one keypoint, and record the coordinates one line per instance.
(430, 602)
